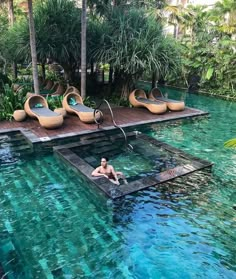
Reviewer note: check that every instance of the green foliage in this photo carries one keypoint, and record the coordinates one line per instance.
(52, 75)
(134, 43)
(54, 102)
(4, 79)
(88, 102)
(15, 43)
(61, 40)
(230, 143)
(10, 101)
(117, 100)
(57, 26)
(208, 52)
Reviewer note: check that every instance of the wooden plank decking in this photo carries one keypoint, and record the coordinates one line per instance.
(124, 117)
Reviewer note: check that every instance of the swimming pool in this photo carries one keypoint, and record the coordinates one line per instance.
(53, 224)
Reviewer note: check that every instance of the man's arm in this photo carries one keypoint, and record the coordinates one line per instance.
(114, 174)
(96, 172)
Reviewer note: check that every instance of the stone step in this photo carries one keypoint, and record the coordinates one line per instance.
(21, 148)
(104, 149)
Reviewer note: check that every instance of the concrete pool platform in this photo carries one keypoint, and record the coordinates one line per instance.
(72, 126)
(83, 157)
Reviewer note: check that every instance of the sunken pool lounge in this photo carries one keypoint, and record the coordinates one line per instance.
(153, 161)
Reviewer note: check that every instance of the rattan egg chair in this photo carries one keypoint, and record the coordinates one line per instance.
(138, 98)
(86, 114)
(36, 106)
(174, 105)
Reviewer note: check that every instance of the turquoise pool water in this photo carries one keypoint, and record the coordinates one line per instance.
(53, 224)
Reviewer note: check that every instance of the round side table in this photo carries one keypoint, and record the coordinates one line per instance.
(19, 115)
(61, 111)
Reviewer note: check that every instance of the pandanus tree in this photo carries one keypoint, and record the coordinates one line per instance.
(58, 35)
(60, 42)
(134, 43)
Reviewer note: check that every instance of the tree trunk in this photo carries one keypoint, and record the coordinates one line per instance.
(67, 72)
(127, 85)
(154, 79)
(83, 49)
(176, 31)
(92, 67)
(11, 22)
(110, 74)
(33, 48)
(11, 12)
(43, 71)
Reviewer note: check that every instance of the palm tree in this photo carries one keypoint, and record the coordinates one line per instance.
(33, 47)
(226, 10)
(11, 19)
(83, 49)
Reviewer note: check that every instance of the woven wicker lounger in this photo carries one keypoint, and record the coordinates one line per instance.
(85, 113)
(174, 105)
(49, 84)
(138, 98)
(46, 117)
(71, 89)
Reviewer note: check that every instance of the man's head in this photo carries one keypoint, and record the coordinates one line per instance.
(104, 161)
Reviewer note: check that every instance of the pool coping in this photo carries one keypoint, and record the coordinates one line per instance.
(113, 191)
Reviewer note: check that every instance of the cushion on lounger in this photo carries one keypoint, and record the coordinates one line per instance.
(39, 105)
(72, 102)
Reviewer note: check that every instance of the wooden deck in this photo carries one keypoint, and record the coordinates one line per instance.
(124, 117)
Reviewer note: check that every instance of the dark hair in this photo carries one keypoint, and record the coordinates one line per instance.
(105, 158)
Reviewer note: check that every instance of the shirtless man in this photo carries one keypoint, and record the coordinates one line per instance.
(108, 171)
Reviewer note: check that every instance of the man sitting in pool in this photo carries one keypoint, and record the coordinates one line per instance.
(108, 171)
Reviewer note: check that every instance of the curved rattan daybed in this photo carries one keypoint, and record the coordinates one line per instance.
(49, 84)
(173, 105)
(73, 103)
(41, 81)
(71, 89)
(138, 98)
(15, 86)
(36, 106)
(58, 89)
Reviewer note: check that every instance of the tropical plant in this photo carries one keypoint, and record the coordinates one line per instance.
(54, 102)
(88, 102)
(134, 43)
(118, 101)
(224, 14)
(10, 101)
(3, 80)
(207, 53)
(61, 42)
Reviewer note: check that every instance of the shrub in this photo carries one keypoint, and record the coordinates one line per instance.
(10, 101)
